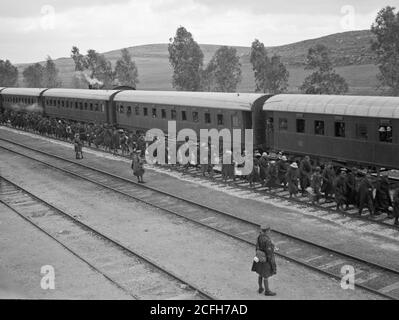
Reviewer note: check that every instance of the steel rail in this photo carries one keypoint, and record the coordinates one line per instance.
(115, 242)
(349, 256)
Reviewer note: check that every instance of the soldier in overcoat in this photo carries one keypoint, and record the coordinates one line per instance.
(382, 200)
(282, 167)
(292, 179)
(366, 195)
(138, 166)
(268, 268)
(340, 190)
(316, 185)
(78, 145)
(271, 175)
(328, 176)
(351, 188)
(305, 172)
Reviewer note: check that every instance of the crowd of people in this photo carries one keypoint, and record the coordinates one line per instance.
(100, 135)
(346, 186)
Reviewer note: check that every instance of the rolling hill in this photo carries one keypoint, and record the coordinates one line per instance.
(350, 53)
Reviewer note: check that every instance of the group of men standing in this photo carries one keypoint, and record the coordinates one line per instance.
(347, 186)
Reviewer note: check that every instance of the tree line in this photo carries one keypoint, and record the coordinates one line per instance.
(223, 72)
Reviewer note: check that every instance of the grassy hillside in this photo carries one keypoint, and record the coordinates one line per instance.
(350, 52)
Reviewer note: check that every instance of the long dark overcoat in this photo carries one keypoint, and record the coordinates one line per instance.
(268, 268)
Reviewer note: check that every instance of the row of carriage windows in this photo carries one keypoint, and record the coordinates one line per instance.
(173, 114)
(384, 129)
(89, 106)
(23, 100)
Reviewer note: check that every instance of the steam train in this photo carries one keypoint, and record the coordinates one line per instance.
(361, 130)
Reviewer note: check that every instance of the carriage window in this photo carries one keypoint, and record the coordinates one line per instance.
(207, 117)
(102, 107)
(173, 114)
(385, 131)
(91, 107)
(67, 104)
(184, 115)
(154, 112)
(76, 105)
(282, 124)
(121, 109)
(163, 113)
(361, 131)
(96, 107)
(220, 119)
(339, 129)
(300, 125)
(129, 110)
(319, 127)
(137, 111)
(195, 116)
(145, 112)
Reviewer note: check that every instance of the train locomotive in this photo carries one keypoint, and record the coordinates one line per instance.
(361, 130)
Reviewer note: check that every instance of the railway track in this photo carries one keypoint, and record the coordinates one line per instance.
(130, 271)
(279, 193)
(370, 276)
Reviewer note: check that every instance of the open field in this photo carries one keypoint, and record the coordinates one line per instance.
(349, 51)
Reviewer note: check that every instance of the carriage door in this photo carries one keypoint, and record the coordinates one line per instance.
(269, 132)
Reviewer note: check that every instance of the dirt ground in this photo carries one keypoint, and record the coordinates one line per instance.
(368, 241)
(210, 260)
(25, 250)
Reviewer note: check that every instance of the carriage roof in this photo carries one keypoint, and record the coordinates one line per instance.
(360, 106)
(218, 100)
(35, 92)
(89, 94)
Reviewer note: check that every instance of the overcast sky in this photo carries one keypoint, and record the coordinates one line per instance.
(32, 29)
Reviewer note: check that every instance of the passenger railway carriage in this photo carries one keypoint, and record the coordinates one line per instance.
(80, 105)
(193, 110)
(353, 129)
(350, 129)
(23, 99)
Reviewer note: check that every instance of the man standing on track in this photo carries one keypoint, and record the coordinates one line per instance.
(264, 262)
(138, 166)
(78, 146)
